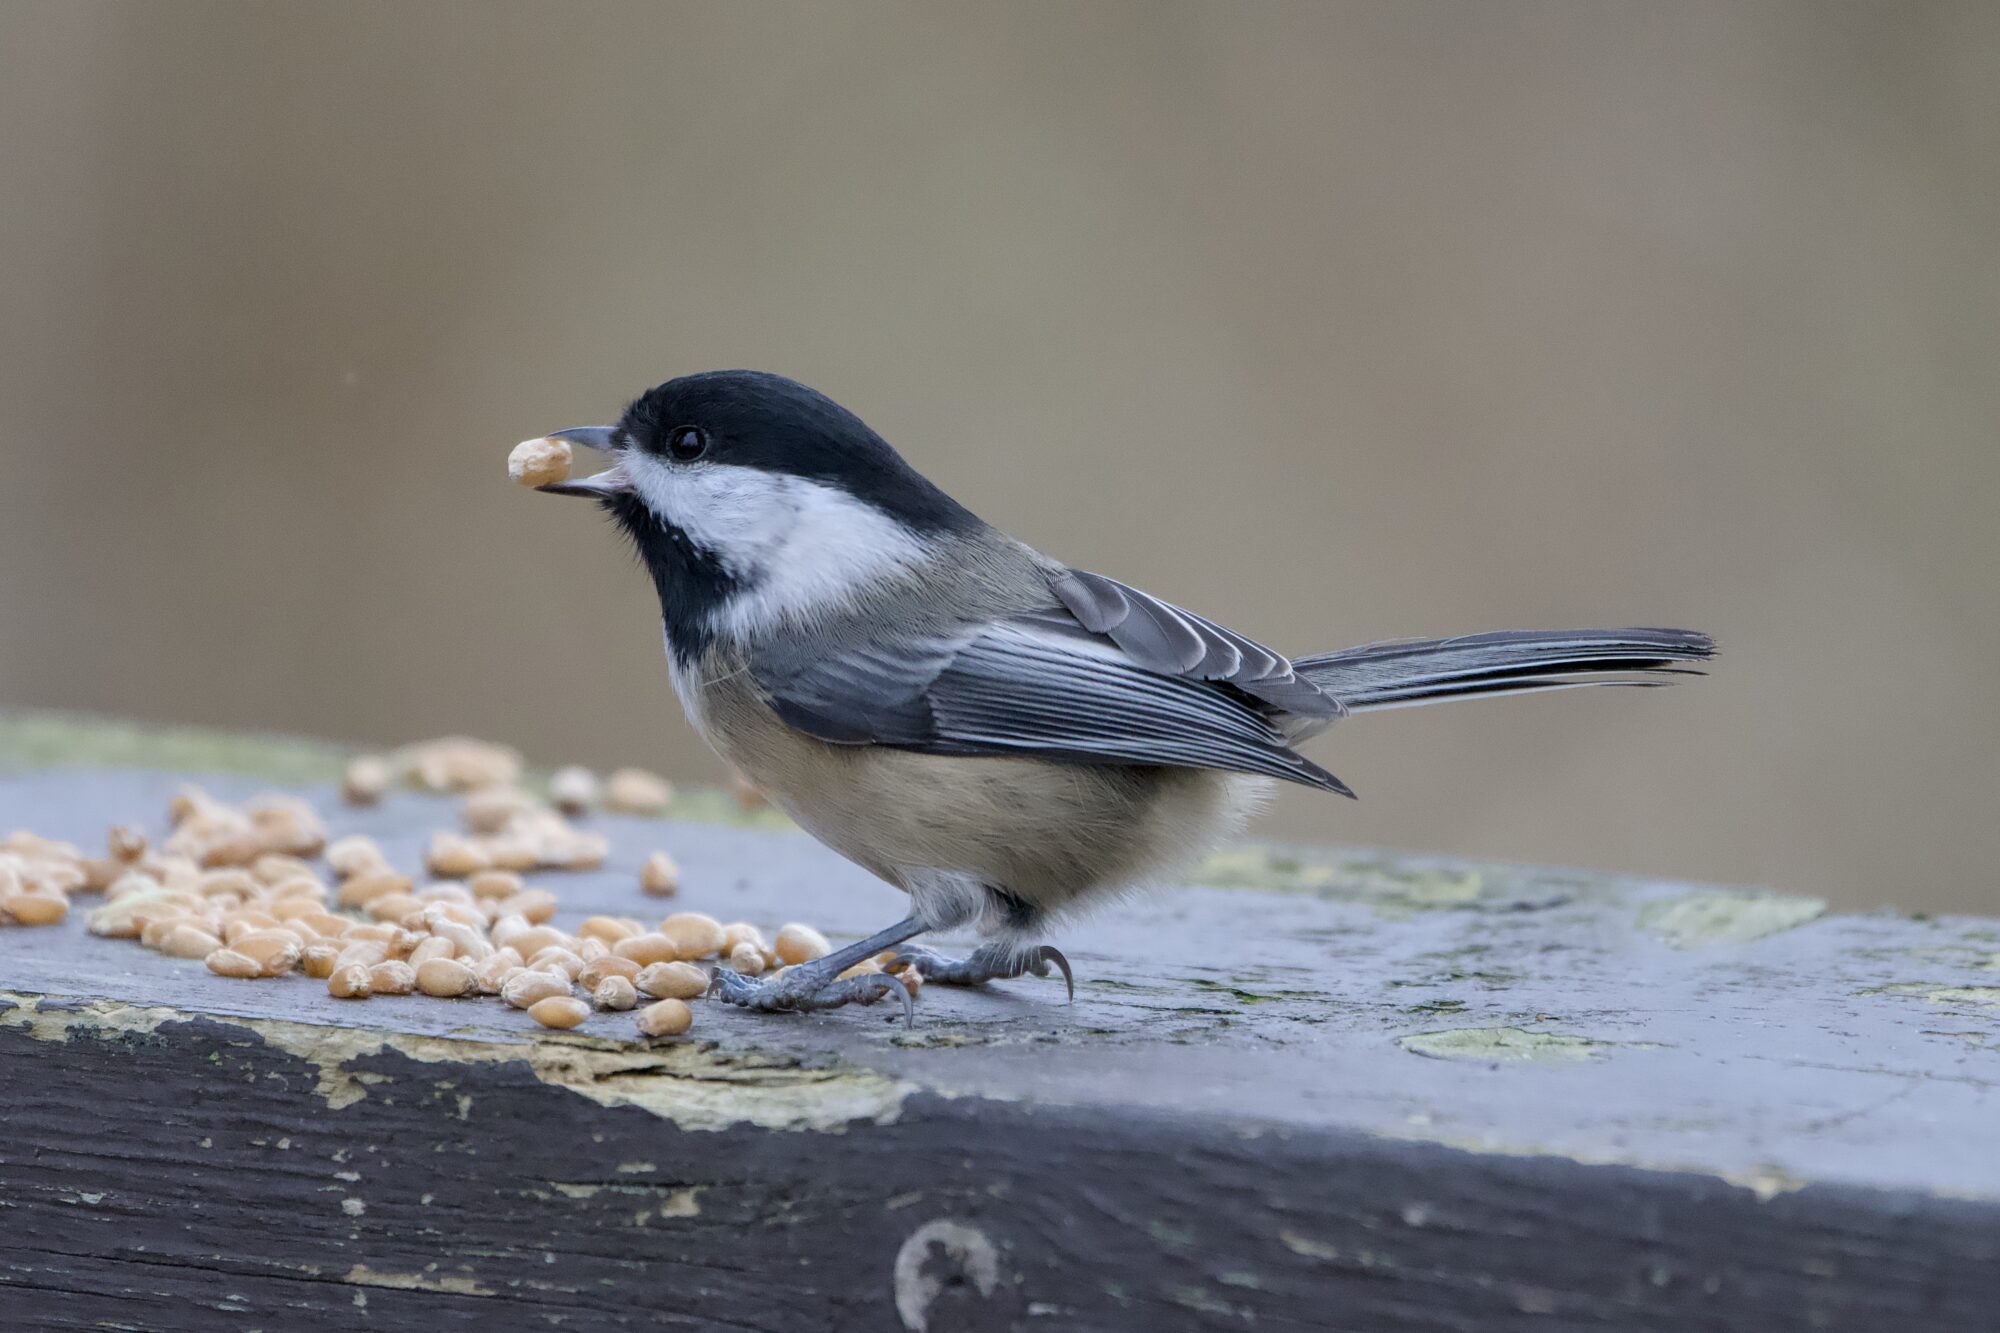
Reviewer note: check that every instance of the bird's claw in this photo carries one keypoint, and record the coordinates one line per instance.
(1049, 956)
(798, 991)
(989, 962)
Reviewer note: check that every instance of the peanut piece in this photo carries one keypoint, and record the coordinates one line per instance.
(541, 462)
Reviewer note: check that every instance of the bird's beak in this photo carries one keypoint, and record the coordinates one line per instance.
(612, 481)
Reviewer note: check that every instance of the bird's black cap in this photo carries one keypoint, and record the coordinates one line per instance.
(758, 420)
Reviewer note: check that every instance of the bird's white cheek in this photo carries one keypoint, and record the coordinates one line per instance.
(796, 548)
(831, 547)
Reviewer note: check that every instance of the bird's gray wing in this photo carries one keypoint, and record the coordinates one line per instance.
(1177, 642)
(1033, 684)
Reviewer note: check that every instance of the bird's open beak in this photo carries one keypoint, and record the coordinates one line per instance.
(611, 481)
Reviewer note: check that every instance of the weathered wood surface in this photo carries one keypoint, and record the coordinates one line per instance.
(1368, 1093)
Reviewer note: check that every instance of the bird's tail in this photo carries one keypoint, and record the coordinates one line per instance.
(1399, 675)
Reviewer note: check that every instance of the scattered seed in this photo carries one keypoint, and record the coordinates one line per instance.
(614, 992)
(494, 885)
(798, 943)
(573, 790)
(126, 843)
(229, 963)
(647, 949)
(435, 947)
(535, 906)
(35, 909)
(660, 876)
(559, 1011)
(352, 982)
(609, 929)
(366, 887)
(458, 763)
(363, 952)
(493, 971)
(355, 854)
(634, 791)
(188, 940)
(525, 989)
(496, 809)
(393, 907)
(557, 957)
(454, 857)
(446, 978)
(533, 940)
(595, 970)
(665, 1018)
(366, 780)
(672, 981)
(275, 951)
(392, 977)
(695, 934)
(746, 959)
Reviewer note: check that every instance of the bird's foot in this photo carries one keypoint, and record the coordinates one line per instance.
(989, 962)
(808, 987)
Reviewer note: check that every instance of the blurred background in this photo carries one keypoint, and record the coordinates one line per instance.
(1336, 322)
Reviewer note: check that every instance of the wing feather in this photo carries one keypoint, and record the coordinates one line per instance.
(1032, 684)
(1175, 642)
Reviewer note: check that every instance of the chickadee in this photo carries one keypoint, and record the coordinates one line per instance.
(1001, 736)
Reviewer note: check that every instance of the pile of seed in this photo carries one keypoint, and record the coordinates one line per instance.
(38, 875)
(237, 888)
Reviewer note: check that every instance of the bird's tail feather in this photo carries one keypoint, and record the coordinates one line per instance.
(1400, 675)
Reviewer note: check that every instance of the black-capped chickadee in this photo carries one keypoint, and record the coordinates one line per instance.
(1000, 736)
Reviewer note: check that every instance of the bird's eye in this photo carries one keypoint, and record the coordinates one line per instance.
(687, 443)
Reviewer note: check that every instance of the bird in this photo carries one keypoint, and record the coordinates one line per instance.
(1004, 737)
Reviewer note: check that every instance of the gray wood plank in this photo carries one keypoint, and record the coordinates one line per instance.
(1367, 1092)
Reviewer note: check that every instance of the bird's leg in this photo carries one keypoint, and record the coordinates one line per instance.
(816, 985)
(989, 962)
